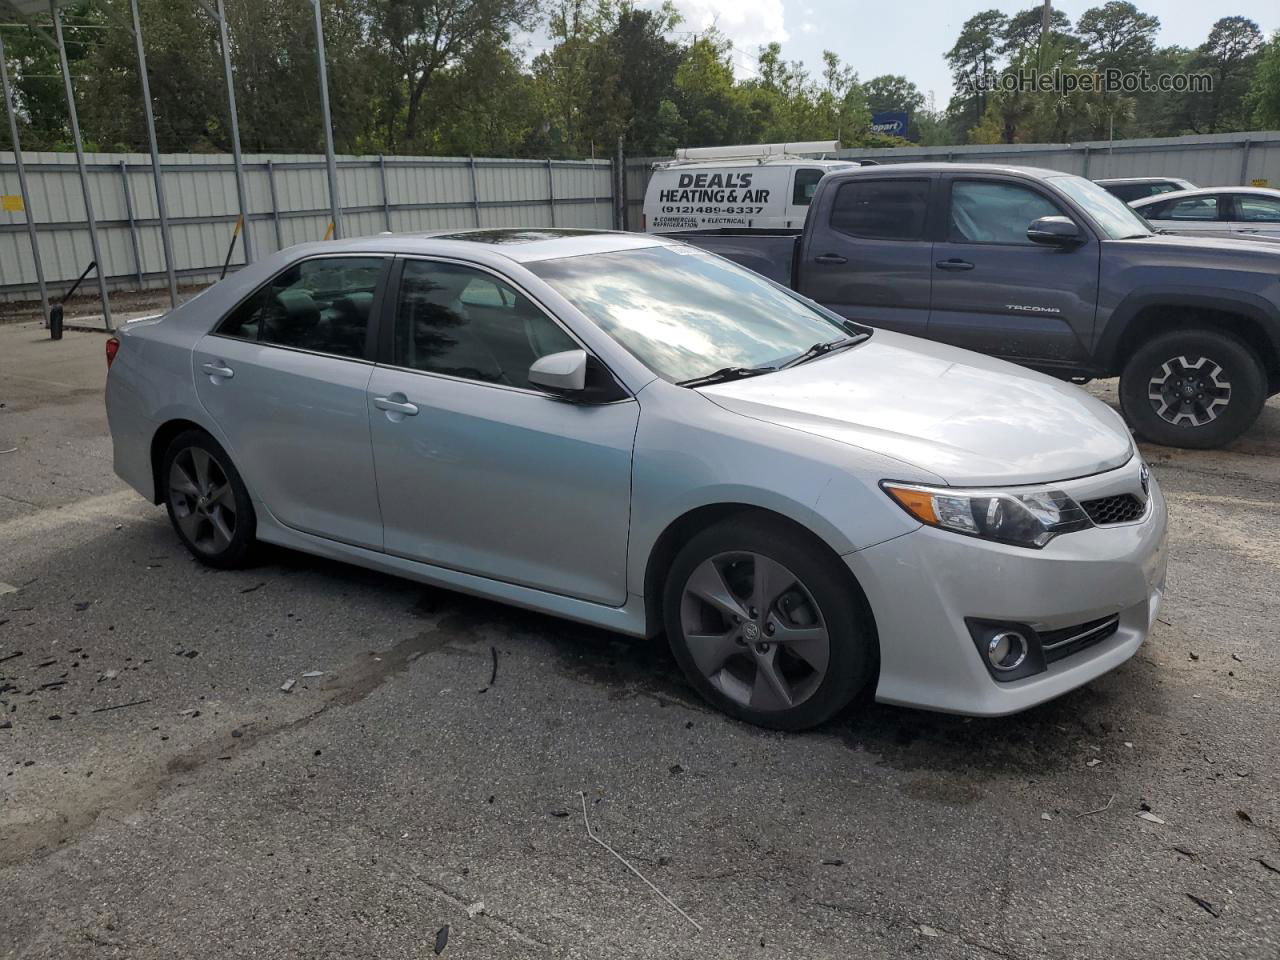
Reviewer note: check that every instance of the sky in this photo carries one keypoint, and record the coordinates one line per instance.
(911, 37)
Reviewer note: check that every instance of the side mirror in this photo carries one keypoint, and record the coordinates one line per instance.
(560, 372)
(1055, 232)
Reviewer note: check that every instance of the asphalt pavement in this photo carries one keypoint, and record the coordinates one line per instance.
(161, 795)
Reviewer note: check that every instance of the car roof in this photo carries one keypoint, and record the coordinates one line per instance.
(1205, 191)
(520, 244)
(1112, 180)
(1036, 173)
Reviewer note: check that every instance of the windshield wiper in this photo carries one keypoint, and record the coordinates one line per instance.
(822, 349)
(725, 375)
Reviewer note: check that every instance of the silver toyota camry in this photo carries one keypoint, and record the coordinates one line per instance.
(626, 431)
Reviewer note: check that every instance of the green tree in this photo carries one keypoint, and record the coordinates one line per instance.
(1264, 94)
(973, 61)
(1228, 55)
(714, 109)
(1023, 30)
(1117, 35)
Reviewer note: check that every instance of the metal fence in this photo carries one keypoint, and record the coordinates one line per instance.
(288, 201)
(1227, 159)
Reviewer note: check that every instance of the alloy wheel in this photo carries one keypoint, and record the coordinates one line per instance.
(204, 504)
(754, 631)
(1183, 391)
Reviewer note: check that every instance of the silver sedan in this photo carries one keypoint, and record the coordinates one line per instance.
(626, 431)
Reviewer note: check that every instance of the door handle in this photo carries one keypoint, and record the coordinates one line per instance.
(392, 405)
(830, 258)
(1248, 230)
(954, 264)
(218, 369)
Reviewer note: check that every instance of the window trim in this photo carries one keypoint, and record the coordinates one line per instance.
(375, 308)
(928, 203)
(945, 213)
(385, 354)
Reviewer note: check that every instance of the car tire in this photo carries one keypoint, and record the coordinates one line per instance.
(770, 667)
(208, 503)
(1192, 388)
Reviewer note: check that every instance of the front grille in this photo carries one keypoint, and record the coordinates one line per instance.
(1070, 640)
(1121, 508)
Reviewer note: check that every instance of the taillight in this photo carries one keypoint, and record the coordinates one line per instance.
(113, 347)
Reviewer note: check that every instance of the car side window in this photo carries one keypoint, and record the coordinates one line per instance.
(1191, 208)
(321, 305)
(881, 209)
(805, 184)
(983, 212)
(1257, 209)
(463, 322)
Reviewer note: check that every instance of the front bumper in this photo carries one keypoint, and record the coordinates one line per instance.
(923, 585)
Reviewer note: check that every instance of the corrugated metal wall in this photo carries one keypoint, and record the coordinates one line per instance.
(1227, 159)
(288, 203)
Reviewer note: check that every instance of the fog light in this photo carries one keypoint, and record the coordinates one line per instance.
(1007, 650)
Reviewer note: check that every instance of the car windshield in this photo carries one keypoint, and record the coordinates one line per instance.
(685, 313)
(1116, 218)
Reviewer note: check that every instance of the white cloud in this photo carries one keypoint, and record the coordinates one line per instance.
(748, 23)
(808, 28)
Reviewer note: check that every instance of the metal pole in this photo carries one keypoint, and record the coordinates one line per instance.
(235, 132)
(162, 206)
(386, 195)
(551, 192)
(620, 190)
(1244, 163)
(275, 204)
(133, 223)
(331, 162)
(22, 185)
(475, 191)
(84, 175)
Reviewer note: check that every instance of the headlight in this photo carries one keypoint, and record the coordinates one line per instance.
(1024, 519)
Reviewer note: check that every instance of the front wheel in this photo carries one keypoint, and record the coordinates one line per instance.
(207, 501)
(765, 625)
(1192, 388)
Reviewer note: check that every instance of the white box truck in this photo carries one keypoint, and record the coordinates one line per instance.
(755, 186)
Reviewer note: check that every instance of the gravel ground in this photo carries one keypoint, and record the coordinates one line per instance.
(161, 797)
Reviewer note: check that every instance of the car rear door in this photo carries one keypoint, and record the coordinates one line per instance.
(997, 292)
(284, 376)
(478, 470)
(1255, 214)
(866, 254)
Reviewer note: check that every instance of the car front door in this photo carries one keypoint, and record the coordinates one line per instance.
(284, 376)
(1202, 215)
(997, 292)
(479, 471)
(866, 254)
(1255, 214)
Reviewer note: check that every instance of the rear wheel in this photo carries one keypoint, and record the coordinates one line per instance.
(208, 504)
(1192, 388)
(767, 626)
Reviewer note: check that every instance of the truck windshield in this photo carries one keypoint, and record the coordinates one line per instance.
(1116, 218)
(685, 313)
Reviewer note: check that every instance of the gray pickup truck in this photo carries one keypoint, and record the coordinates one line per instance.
(1047, 270)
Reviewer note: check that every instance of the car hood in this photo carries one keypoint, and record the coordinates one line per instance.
(969, 419)
(1239, 251)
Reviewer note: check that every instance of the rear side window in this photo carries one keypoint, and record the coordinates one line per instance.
(995, 212)
(881, 209)
(1257, 209)
(321, 305)
(805, 184)
(1191, 208)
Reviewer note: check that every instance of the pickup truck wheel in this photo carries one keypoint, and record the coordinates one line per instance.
(765, 626)
(1192, 388)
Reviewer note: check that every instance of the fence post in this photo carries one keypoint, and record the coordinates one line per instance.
(1085, 174)
(133, 223)
(1244, 163)
(275, 204)
(620, 188)
(475, 190)
(386, 195)
(551, 192)
(22, 185)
